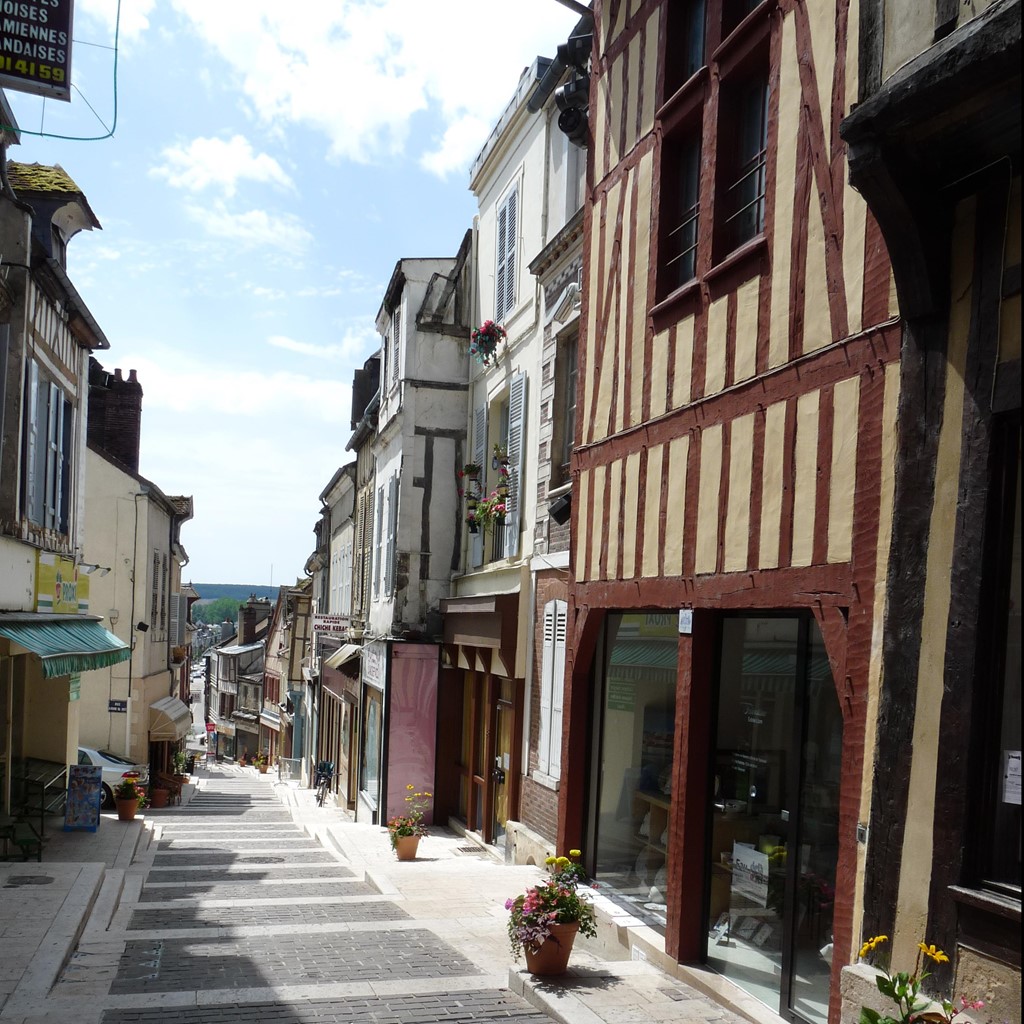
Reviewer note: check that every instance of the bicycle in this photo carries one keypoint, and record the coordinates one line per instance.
(322, 781)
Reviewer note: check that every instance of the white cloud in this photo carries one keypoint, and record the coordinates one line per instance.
(219, 164)
(353, 345)
(360, 72)
(134, 15)
(282, 233)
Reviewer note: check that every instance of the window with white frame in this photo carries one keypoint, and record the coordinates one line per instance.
(552, 684)
(505, 269)
(49, 422)
(391, 548)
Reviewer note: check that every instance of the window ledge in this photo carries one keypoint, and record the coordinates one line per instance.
(673, 306)
(741, 263)
(991, 902)
(684, 100)
(750, 29)
(547, 781)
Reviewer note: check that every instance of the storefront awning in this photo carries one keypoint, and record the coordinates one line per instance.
(64, 647)
(346, 652)
(169, 719)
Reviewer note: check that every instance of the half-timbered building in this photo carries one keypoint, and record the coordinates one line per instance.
(934, 146)
(732, 491)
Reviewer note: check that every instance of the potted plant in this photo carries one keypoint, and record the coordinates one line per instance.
(180, 759)
(406, 830)
(484, 341)
(544, 920)
(128, 799)
(260, 760)
(489, 511)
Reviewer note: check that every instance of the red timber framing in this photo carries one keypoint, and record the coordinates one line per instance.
(732, 431)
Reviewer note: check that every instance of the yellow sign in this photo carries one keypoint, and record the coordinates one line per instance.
(61, 587)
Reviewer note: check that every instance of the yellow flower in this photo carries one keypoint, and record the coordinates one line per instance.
(561, 861)
(872, 943)
(549, 860)
(410, 786)
(575, 853)
(932, 953)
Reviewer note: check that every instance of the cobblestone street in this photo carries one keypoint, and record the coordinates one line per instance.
(236, 914)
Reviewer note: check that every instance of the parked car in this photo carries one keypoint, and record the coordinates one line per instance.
(115, 769)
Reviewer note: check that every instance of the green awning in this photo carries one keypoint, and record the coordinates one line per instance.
(64, 647)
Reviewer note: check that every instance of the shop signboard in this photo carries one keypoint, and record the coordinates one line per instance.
(35, 47)
(61, 588)
(85, 792)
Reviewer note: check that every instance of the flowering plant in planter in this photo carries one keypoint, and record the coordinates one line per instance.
(904, 990)
(489, 511)
(410, 823)
(556, 900)
(485, 340)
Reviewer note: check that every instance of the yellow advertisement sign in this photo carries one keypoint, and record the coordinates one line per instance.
(61, 587)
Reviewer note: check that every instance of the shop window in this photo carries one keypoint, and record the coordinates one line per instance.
(994, 839)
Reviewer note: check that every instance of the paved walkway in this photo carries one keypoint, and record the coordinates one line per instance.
(249, 903)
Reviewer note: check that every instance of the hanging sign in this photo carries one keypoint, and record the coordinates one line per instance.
(85, 793)
(35, 46)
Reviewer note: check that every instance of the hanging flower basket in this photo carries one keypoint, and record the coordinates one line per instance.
(484, 342)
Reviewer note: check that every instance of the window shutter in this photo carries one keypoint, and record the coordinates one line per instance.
(5, 344)
(396, 341)
(392, 545)
(163, 593)
(476, 540)
(64, 488)
(516, 428)
(499, 273)
(557, 687)
(378, 533)
(54, 410)
(510, 252)
(547, 661)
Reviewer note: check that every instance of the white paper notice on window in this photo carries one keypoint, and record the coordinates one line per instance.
(1011, 777)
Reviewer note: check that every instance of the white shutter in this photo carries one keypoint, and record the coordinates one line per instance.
(379, 533)
(175, 624)
(54, 408)
(558, 687)
(516, 430)
(396, 341)
(392, 544)
(32, 479)
(547, 660)
(499, 272)
(510, 253)
(476, 545)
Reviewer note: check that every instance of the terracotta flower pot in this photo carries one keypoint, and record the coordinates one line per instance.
(126, 808)
(552, 957)
(159, 797)
(406, 846)
(263, 769)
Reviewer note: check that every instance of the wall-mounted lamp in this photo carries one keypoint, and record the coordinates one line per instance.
(142, 627)
(88, 568)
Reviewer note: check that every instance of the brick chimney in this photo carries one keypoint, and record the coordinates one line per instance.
(247, 621)
(115, 413)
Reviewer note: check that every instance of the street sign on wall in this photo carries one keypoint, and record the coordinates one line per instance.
(35, 46)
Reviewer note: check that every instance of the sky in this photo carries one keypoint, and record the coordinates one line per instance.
(269, 164)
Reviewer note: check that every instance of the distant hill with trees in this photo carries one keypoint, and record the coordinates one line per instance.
(220, 601)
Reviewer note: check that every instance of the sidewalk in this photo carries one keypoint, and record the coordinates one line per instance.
(456, 889)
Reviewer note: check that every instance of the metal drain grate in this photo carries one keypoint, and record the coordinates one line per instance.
(477, 851)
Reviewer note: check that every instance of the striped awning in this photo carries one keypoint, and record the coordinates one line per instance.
(65, 646)
(169, 720)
